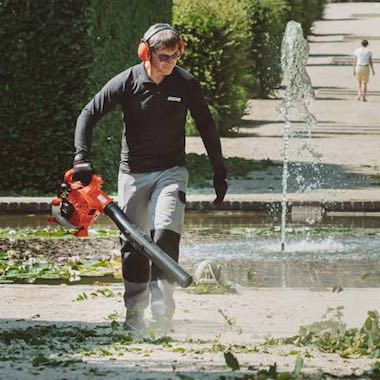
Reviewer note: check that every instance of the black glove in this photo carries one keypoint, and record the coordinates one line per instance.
(220, 186)
(82, 169)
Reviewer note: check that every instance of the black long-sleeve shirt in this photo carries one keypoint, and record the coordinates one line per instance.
(154, 118)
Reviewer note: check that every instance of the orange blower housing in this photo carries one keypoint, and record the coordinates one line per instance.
(78, 206)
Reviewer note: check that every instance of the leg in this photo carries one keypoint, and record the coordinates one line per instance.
(134, 200)
(359, 97)
(168, 203)
(364, 92)
(359, 78)
(161, 288)
(365, 82)
(359, 91)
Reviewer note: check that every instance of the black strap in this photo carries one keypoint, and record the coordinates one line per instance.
(160, 28)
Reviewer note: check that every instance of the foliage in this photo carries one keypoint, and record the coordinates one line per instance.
(52, 232)
(200, 288)
(305, 12)
(267, 22)
(331, 335)
(105, 292)
(36, 268)
(54, 57)
(42, 360)
(44, 66)
(231, 361)
(237, 231)
(268, 19)
(116, 29)
(52, 345)
(216, 35)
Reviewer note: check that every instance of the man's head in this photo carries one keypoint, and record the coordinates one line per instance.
(162, 46)
(159, 36)
(365, 43)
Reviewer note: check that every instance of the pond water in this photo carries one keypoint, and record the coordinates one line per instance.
(336, 251)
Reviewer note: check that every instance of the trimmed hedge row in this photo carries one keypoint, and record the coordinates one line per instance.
(234, 48)
(217, 41)
(55, 55)
(44, 64)
(306, 12)
(267, 25)
(114, 36)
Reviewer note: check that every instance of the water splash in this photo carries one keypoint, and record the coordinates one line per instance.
(322, 249)
(297, 98)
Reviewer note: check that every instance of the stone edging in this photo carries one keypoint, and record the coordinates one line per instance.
(42, 206)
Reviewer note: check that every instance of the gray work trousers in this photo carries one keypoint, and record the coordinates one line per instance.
(154, 202)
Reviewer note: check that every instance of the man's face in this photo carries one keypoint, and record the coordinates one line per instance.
(164, 60)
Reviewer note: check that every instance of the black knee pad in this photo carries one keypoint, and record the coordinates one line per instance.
(169, 242)
(135, 266)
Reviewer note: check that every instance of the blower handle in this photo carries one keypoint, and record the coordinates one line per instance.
(96, 181)
(147, 246)
(69, 176)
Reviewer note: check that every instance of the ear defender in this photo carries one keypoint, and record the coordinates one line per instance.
(181, 45)
(143, 50)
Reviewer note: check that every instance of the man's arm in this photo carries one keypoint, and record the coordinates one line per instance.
(102, 103)
(354, 64)
(210, 137)
(371, 65)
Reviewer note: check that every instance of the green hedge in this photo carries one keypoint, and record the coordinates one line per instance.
(114, 36)
(267, 22)
(217, 36)
(306, 12)
(55, 55)
(234, 48)
(44, 65)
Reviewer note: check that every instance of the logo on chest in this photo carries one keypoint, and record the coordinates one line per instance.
(174, 99)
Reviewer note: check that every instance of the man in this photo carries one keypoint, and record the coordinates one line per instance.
(154, 96)
(362, 62)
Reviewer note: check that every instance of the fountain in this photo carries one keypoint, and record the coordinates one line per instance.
(297, 98)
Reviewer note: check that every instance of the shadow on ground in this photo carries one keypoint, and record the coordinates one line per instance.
(304, 176)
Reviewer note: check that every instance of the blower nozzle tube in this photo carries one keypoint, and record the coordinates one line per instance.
(147, 246)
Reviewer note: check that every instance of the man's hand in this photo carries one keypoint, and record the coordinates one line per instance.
(220, 186)
(82, 169)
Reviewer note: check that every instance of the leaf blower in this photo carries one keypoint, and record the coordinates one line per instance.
(78, 206)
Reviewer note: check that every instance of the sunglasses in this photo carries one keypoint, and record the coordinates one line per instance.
(168, 58)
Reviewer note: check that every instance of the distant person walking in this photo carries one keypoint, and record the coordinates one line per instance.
(362, 63)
